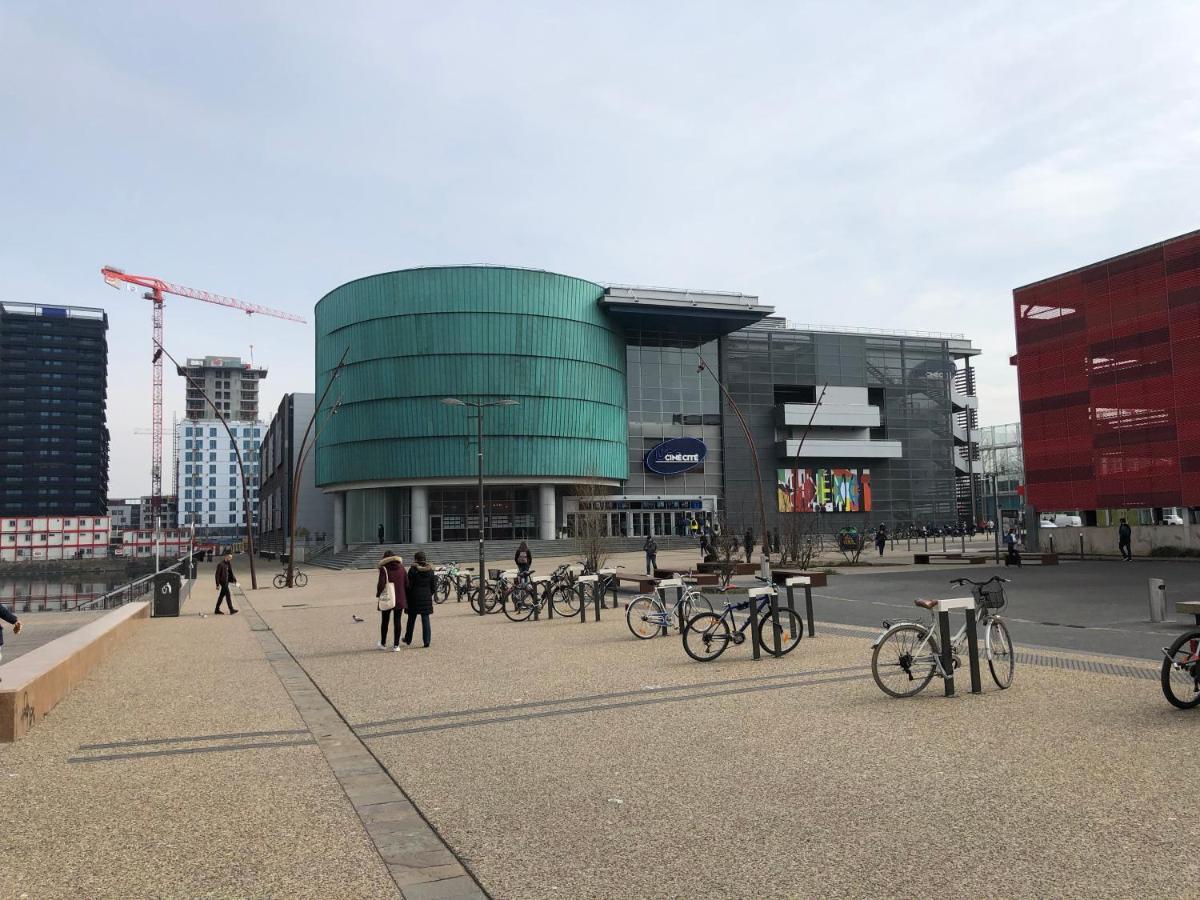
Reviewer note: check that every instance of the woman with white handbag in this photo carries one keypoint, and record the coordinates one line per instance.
(390, 598)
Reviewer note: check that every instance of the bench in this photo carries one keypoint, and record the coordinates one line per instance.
(645, 584)
(1188, 608)
(1045, 559)
(923, 559)
(816, 579)
(701, 577)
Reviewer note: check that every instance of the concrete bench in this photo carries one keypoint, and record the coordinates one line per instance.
(1188, 608)
(645, 584)
(922, 559)
(1045, 559)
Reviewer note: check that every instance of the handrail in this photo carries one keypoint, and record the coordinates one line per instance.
(103, 598)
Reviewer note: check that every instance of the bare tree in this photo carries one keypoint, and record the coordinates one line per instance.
(591, 526)
(851, 541)
(727, 544)
(802, 539)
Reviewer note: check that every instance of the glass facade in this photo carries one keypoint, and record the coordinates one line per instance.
(668, 398)
(454, 513)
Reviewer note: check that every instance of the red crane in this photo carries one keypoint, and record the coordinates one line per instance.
(156, 287)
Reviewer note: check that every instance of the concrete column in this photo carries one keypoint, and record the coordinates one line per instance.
(420, 515)
(339, 521)
(546, 522)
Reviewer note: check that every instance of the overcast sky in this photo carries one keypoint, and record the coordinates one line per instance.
(894, 165)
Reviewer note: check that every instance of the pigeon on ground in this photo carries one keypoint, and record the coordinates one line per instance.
(355, 618)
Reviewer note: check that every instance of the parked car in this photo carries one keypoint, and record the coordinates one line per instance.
(1172, 519)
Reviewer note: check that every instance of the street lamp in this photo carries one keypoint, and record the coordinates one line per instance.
(479, 407)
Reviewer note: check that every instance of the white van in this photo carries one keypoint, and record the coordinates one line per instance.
(1060, 520)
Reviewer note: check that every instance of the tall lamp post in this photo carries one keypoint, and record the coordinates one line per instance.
(237, 455)
(302, 458)
(479, 407)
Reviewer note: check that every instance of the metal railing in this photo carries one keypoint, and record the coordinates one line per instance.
(886, 332)
(127, 593)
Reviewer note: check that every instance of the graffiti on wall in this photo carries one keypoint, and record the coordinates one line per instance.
(823, 490)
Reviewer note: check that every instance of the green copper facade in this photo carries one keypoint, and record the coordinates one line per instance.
(478, 333)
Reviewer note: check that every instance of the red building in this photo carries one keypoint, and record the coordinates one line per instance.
(1108, 363)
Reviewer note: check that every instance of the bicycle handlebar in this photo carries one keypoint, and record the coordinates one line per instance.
(962, 581)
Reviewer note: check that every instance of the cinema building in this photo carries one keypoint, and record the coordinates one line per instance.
(617, 409)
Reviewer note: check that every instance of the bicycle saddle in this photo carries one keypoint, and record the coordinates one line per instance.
(925, 604)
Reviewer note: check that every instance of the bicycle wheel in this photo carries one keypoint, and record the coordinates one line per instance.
(790, 632)
(518, 605)
(300, 579)
(693, 605)
(1181, 671)
(706, 636)
(280, 580)
(897, 669)
(565, 600)
(489, 599)
(442, 592)
(644, 617)
(1001, 659)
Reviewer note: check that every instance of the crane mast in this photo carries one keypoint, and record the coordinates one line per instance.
(155, 289)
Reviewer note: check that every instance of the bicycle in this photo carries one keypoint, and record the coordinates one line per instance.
(1181, 671)
(906, 655)
(452, 577)
(299, 579)
(646, 616)
(707, 635)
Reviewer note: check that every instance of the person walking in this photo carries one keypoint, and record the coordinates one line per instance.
(379, 531)
(421, 583)
(7, 615)
(523, 558)
(225, 578)
(748, 544)
(1124, 541)
(1011, 542)
(391, 571)
(650, 548)
(881, 539)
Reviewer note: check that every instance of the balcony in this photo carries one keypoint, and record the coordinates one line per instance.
(840, 428)
(852, 448)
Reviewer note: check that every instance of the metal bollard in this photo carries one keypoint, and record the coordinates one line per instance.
(776, 628)
(1157, 591)
(598, 597)
(582, 602)
(1081, 546)
(1051, 543)
(679, 607)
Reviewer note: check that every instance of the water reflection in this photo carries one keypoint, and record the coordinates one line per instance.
(25, 595)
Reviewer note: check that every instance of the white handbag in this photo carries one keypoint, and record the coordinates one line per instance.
(387, 597)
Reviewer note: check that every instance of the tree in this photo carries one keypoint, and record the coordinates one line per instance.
(851, 541)
(727, 544)
(801, 538)
(591, 526)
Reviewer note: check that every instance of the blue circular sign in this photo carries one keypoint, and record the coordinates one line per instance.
(676, 455)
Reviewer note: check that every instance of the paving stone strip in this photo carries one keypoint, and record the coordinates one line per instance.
(420, 862)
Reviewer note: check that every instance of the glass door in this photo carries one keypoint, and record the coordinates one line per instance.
(435, 529)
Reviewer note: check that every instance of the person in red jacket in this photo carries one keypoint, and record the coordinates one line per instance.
(391, 570)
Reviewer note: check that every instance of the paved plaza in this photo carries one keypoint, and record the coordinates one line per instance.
(275, 753)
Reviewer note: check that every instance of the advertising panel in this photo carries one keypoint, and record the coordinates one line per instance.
(823, 490)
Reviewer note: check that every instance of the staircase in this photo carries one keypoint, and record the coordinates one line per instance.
(366, 556)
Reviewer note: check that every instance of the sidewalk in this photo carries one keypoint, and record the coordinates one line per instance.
(180, 768)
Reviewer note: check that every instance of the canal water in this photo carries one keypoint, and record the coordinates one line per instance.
(53, 592)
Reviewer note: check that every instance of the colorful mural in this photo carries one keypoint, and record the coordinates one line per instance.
(823, 490)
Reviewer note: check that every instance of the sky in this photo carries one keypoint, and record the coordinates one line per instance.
(885, 165)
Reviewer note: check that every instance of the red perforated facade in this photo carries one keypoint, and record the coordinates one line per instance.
(1108, 363)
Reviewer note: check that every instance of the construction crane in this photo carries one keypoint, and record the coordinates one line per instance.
(155, 289)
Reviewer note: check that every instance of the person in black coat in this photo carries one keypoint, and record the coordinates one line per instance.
(421, 585)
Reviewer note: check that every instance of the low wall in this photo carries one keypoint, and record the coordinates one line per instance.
(35, 682)
(1103, 541)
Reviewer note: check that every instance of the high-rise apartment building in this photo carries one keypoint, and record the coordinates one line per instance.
(231, 383)
(209, 483)
(53, 434)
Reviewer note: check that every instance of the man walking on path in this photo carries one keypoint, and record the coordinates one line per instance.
(225, 577)
(7, 615)
(380, 532)
(748, 544)
(1124, 538)
(650, 548)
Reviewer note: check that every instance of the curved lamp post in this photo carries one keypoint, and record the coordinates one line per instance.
(237, 455)
(479, 407)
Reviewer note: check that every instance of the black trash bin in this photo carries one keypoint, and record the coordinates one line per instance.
(167, 594)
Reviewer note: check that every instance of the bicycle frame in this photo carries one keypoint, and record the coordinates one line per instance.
(764, 606)
(931, 636)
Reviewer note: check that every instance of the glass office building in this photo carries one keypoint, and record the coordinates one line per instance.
(617, 411)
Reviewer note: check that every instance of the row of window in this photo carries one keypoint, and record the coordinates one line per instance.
(213, 430)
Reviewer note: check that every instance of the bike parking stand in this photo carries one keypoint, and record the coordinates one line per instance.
(805, 582)
(943, 610)
(661, 588)
(752, 596)
(580, 584)
(540, 583)
(610, 579)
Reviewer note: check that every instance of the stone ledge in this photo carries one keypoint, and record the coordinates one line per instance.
(34, 683)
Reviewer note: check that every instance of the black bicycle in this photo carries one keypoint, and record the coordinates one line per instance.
(708, 634)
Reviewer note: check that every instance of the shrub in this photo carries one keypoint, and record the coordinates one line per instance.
(1175, 552)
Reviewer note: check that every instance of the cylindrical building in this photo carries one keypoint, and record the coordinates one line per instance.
(395, 455)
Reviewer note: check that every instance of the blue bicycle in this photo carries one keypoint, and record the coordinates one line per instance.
(706, 635)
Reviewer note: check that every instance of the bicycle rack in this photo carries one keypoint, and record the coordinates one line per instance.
(539, 583)
(594, 581)
(662, 588)
(610, 579)
(752, 595)
(943, 609)
(805, 582)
